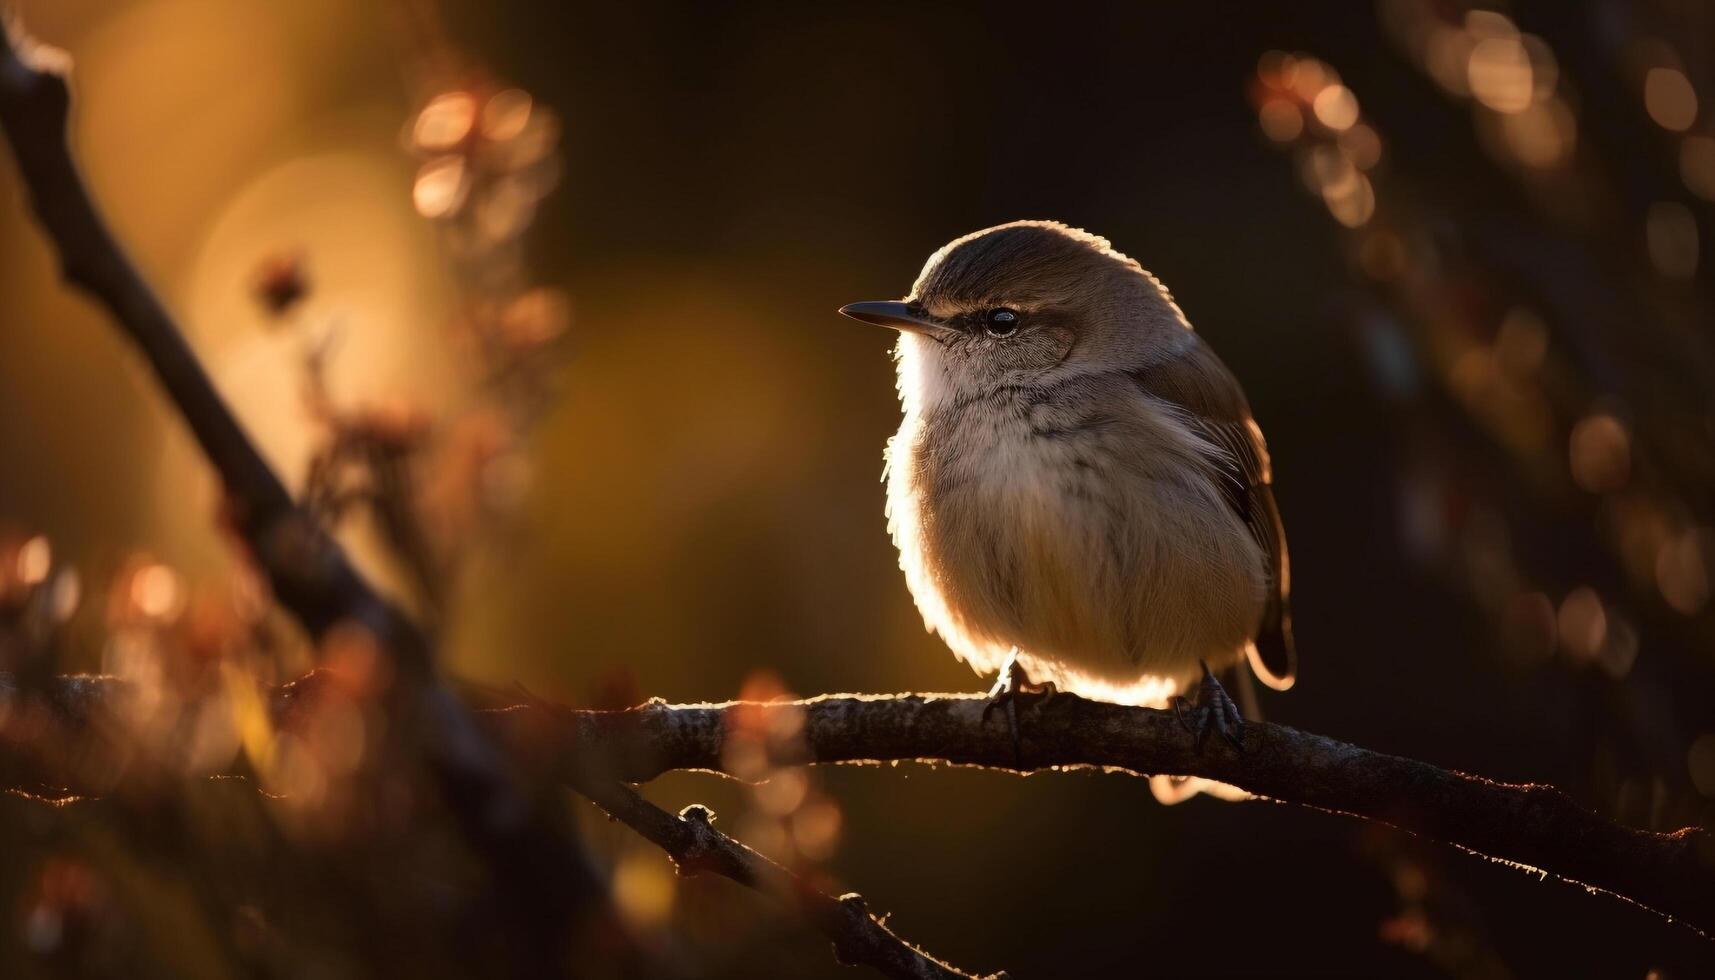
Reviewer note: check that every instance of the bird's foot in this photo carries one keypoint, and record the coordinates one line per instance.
(1011, 684)
(1214, 713)
(1012, 681)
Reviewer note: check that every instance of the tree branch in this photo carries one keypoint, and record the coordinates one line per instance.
(691, 840)
(543, 877)
(1534, 827)
(77, 755)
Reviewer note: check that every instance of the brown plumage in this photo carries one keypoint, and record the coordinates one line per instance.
(1077, 477)
(1198, 384)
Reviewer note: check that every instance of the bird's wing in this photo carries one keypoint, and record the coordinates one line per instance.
(1200, 389)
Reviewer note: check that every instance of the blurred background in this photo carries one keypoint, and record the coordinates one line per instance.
(1454, 253)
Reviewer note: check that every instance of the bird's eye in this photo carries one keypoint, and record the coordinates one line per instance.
(1000, 322)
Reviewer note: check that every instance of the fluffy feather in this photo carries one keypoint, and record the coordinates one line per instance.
(1075, 491)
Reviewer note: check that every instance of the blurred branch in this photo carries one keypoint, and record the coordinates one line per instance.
(74, 756)
(308, 572)
(312, 577)
(691, 840)
(1534, 827)
(540, 874)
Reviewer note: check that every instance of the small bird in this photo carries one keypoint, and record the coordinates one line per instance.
(1080, 497)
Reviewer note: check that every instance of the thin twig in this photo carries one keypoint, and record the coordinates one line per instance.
(542, 877)
(696, 847)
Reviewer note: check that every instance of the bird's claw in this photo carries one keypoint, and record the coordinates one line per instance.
(1009, 686)
(1213, 713)
(1012, 682)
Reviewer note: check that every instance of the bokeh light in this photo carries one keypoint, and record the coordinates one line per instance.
(1670, 99)
(1601, 453)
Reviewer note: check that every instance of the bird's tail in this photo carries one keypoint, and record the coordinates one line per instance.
(1273, 656)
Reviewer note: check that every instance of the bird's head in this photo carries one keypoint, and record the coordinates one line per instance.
(1028, 302)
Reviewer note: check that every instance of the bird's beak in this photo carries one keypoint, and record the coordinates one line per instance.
(899, 316)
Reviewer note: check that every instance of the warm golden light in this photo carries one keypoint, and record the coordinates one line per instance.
(445, 122)
(35, 560)
(1544, 69)
(1512, 75)
(784, 792)
(535, 318)
(295, 774)
(1363, 147)
(1697, 165)
(155, 592)
(643, 889)
(1682, 569)
(1350, 199)
(1323, 166)
(816, 830)
(506, 115)
(1670, 99)
(1499, 74)
(441, 187)
(1280, 120)
(1619, 647)
(1601, 453)
(1542, 135)
(250, 719)
(1336, 107)
(1583, 624)
(1490, 24)
(693, 522)
(1307, 77)
(339, 736)
(1271, 67)
(67, 593)
(249, 69)
(1446, 58)
(505, 209)
(373, 275)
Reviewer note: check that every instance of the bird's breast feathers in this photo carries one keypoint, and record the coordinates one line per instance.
(1084, 531)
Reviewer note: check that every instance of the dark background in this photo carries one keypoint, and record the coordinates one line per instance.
(707, 505)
